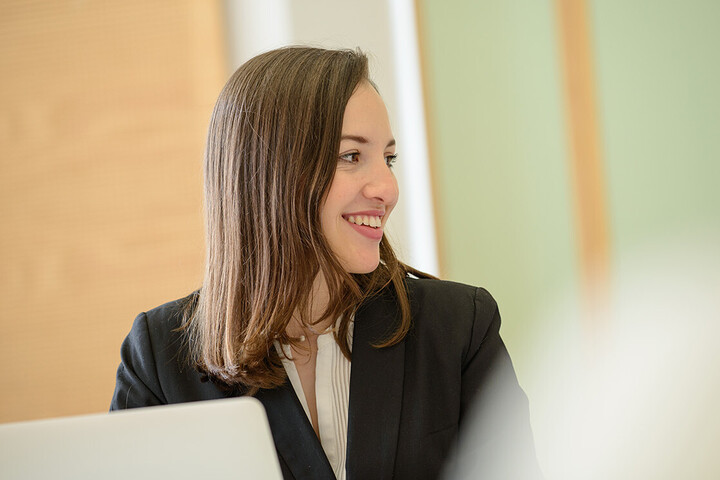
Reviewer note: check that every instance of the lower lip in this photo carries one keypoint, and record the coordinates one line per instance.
(369, 232)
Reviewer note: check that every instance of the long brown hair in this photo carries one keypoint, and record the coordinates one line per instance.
(271, 156)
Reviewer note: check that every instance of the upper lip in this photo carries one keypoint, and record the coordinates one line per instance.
(369, 213)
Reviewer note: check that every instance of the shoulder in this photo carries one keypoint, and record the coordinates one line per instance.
(435, 289)
(445, 297)
(167, 318)
(155, 366)
(156, 338)
(452, 312)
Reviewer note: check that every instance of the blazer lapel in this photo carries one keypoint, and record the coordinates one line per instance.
(294, 437)
(376, 386)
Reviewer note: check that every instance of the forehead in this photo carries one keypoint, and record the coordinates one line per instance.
(365, 113)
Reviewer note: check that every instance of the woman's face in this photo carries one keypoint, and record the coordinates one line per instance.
(364, 190)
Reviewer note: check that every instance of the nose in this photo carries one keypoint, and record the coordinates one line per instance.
(381, 184)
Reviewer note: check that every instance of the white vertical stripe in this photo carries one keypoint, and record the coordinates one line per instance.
(411, 115)
(254, 27)
(332, 389)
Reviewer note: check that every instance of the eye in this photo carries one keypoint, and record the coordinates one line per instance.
(352, 157)
(390, 159)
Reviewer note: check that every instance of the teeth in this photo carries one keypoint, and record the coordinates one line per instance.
(370, 221)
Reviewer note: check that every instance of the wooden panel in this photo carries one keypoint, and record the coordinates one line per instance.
(103, 112)
(586, 163)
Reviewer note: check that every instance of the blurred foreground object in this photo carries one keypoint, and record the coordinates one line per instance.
(639, 398)
(635, 399)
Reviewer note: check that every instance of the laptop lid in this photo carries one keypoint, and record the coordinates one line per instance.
(227, 438)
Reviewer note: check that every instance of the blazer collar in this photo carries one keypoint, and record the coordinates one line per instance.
(376, 386)
(294, 437)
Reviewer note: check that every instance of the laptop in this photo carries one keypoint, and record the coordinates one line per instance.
(221, 439)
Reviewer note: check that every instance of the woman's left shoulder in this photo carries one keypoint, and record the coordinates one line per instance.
(446, 305)
(444, 294)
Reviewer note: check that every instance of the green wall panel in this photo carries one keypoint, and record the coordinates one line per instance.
(500, 163)
(658, 70)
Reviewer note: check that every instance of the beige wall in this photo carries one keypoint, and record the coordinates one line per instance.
(103, 110)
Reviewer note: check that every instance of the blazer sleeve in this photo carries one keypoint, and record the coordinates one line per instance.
(487, 365)
(496, 437)
(137, 384)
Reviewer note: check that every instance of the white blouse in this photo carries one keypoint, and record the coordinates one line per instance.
(332, 394)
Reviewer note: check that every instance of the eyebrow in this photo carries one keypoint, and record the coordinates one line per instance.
(361, 139)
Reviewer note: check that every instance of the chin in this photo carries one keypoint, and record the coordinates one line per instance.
(361, 267)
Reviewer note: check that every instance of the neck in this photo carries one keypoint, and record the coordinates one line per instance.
(319, 298)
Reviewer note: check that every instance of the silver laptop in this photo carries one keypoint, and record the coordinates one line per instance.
(225, 439)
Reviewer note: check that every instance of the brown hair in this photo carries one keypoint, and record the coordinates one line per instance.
(270, 158)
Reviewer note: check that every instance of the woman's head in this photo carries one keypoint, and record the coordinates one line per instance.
(272, 153)
(286, 166)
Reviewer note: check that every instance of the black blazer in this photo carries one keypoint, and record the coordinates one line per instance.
(407, 401)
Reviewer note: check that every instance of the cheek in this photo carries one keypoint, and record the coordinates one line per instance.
(331, 210)
(326, 224)
(338, 195)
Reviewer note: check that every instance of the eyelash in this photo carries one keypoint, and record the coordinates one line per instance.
(352, 158)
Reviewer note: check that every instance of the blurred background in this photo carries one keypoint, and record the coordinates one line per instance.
(544, 146)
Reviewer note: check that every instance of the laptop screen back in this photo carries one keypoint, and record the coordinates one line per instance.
(225, 439)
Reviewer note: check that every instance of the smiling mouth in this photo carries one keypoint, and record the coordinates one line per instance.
(372, 221)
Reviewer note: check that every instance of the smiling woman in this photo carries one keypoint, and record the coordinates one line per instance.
(366, 367)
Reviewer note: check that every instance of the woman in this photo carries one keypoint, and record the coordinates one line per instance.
(364, 370)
